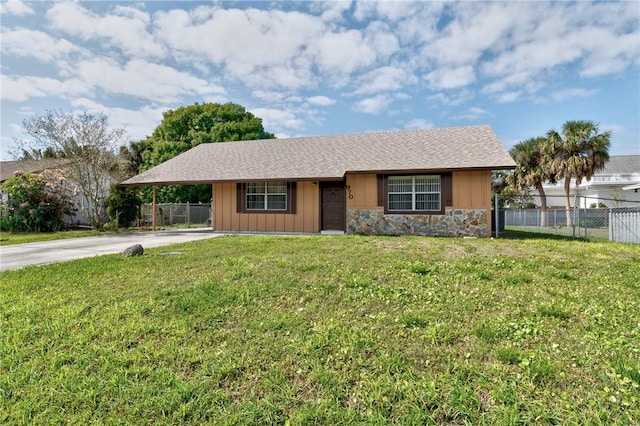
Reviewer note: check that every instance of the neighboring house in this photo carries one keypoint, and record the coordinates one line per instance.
(609, 186)
(419, 182)
(9, 169)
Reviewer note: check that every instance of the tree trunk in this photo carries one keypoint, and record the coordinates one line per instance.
(567, 198)
(543, 205)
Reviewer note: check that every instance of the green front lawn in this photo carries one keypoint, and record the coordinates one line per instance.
(7, 238)
(327, 330)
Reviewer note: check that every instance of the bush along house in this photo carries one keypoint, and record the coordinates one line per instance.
(434, 182)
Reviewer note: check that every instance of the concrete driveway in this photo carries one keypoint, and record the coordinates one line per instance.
(20, 255)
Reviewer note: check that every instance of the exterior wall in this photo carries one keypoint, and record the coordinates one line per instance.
(362, 191)
(470, 214)
(454, 223)
(306, 218)
(611, 195)
(472, 190)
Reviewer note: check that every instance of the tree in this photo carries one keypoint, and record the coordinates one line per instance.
(123, 204)
(185, 127)
(578, 151)
(532, 170)
(508, 194)
(38, 154)
(37, 202)
(88, 143)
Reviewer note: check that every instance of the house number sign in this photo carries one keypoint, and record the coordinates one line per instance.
(349, 194)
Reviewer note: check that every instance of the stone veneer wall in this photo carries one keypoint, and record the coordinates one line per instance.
(454, 223)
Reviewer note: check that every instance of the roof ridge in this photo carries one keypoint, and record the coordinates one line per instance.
(374, 132)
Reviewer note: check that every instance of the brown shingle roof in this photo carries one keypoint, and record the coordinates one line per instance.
(10, 168)
(330, 157)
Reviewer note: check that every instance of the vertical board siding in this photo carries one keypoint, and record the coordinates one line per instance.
(472, 190)
(362, 191)
(227, 218)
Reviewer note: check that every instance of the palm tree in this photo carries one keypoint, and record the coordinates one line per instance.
(532, 169)
(578, 152)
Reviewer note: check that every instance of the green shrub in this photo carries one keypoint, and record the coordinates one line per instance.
(37, 203)
(123, 205)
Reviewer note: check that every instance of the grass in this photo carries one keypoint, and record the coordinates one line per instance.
(599, 234)
(327, 330)
(7, 238)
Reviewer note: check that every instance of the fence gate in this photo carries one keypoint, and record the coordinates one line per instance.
(624, 226)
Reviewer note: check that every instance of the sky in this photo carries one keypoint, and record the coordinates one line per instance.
(320, 68)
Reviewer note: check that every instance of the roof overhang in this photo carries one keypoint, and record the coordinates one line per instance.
(633, 187)
(324, 158)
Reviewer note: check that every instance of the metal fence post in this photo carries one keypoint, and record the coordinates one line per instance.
(586, 223)
(575, 217)
(497, 216)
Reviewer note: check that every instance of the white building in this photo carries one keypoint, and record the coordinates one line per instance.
(617, 185)
(10, 169)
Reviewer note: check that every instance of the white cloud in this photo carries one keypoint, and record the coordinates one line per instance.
(342, 52)
(507, 97)
(380, 36)
(138, 123)
(386, 9)
(609, 53)
(125, 28)
(451, 78)
(20, 89)
(473, 113)
(452, 98)
(523, 81)
(565, 35)
(144, 80)
(269, 41)
(571, 93)
(475, 28)
(534, 57)
(321, 100)
(418, 123)
(331, 10)
(271, 97)
(15, 7)
(278, 119)
(385, 79)
(23, 42)
(373, 105)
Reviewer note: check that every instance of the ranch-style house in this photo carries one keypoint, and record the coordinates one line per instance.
(415, 182)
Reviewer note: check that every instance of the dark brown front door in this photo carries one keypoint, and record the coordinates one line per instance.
(333, 206)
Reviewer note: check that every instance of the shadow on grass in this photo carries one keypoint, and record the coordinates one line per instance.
(511, 234)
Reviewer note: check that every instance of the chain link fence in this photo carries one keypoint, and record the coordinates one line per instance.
(177, 214)
(619, 224)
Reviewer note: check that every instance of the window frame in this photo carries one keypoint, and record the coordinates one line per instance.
(445, 194)
(262, 189)
(243, 194)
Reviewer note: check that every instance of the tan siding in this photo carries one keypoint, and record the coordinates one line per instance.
(472, 190)
(306, 219)
(364, 191)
